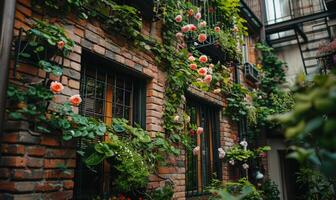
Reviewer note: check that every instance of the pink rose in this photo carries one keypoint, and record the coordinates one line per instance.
(203, 59)
(191, 58)
(196, 150)
(60, 44)
(211, 65)
(178, 18)
(185, 28)
(179, 35)
(202, 24)
(192, 27)
(199, 130)
(198, 16)
(208, 78)
(56, 87)
(202, 37)
(193, 66)
(217, 29)
(75, 100)
(202, 71)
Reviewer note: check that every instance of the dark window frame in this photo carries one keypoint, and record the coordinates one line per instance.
(210, 114)
(111, 70)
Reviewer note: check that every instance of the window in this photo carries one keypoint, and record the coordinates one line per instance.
(201, 169)
(106, 94)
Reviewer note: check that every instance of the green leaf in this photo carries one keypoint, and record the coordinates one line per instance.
(15, 115)
(67, 137)
(94, 159)
(25, 55)
(56, 70)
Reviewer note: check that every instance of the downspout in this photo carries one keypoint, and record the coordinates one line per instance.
(263, 21)
(7, 10)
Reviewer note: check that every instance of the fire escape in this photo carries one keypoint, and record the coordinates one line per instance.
(305, 23)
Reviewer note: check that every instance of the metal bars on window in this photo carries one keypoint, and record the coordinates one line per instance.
(106, 95)
(202, 168)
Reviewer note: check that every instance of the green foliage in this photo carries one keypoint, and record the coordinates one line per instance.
(311, 123)
(125, 20)
(42, 45)
(237, 107)
(29, 103)
(231, 11)
(241, 190)
(45, 35)
(63, 7)
(270, 191)
(273, 70)
(239, 154)
(164, 193)
(315, 185)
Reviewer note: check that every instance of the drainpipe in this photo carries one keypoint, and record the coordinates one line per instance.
(263, 20)
(7, 13)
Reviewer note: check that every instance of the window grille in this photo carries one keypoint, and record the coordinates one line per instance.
(200, 170)
(106, 94)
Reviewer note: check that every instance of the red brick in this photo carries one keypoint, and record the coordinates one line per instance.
(35, 151)
(48, 186)
(68, 194)
(60, 153)
(4, 173)
(12, 161)
(50, 141)
(53, 163)
(79, 32)
(28, 69)
(26, 11)
(12, 149)
(56, 174)
(17, 186)
(76, 66)
(34, 162)
(27, 174)
(99, 49)
(68, 185)
(74, 84)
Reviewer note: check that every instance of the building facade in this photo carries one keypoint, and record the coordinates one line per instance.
(115, 80)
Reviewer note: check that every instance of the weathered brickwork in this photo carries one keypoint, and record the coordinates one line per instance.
(35, 166)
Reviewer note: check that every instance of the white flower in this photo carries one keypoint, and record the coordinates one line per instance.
(210, 70)
(176, 118)
(221, 153)
(217, 90)
(196, 151)
(183, 98)
(244, 143)
(245, 166)
(187, 119)
(259, 175)
(232, 162)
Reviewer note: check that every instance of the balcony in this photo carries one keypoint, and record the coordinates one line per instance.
(211, 15)
(251, 73)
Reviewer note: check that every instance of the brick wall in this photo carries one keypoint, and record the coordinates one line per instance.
(35, 166)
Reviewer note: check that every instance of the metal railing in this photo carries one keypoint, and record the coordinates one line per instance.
(211, 16)
(283, 10)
